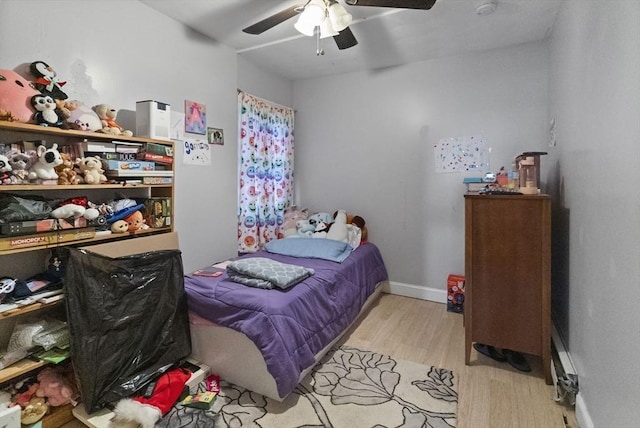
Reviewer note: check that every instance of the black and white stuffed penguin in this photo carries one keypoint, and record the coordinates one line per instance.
(47, 113)
(47, 80)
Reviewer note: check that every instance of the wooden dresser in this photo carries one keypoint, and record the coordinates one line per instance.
(507, 272)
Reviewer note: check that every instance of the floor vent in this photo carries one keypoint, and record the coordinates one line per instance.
(563, 372)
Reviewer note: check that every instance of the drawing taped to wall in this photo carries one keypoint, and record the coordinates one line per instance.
(460, 154)
(215, 136)
(195, 120)
(196, 152)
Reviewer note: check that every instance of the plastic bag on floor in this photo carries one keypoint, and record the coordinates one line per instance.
(128, 321)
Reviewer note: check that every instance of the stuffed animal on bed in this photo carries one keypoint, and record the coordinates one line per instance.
(339, 230)
(292, 216)
(323, 217)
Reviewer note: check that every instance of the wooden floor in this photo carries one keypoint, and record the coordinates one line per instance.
(490, 394)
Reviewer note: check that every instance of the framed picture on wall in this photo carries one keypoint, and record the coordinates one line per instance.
(195, 117)
(215, 136)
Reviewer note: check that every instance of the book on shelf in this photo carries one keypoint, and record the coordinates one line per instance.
(147, 156)
(32, 145)
(98, 146)
(127, 147)
(134, 165)
(139, 173)
(157, 180)
(106, 156)
(159, 149)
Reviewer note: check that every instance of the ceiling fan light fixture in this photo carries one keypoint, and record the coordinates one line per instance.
(327, 30)
(338, 15)
(312, 16)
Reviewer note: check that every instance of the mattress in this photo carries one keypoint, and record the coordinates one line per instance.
(290, 327)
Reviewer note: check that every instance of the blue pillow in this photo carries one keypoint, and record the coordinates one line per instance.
(315, 248)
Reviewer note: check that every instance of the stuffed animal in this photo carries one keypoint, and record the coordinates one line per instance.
(80, 116)
(47, 112)
(135, 222)
(68, 211)
(44, 168)
(321, 230)
(91, 169)
(291, 217)
(47, 80)
(360, 223)
(66, 173)
(320, 217)
(33, 411)
(304, 228)
(119, 226)
(57, 386)
(339, 230)
(15, 97)
(107, 115)
(20, 165)
(5, 169)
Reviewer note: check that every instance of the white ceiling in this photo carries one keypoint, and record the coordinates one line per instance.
(387, 37)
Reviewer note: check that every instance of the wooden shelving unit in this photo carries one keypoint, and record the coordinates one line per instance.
(12, 260)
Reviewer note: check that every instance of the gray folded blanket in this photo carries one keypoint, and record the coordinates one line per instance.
(261, 272)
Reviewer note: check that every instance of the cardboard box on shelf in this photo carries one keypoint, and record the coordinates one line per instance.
(46, 238)
(47, 225)
(135, 165)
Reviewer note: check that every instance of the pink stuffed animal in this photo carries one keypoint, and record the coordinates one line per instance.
(56, 387)
(291, 217)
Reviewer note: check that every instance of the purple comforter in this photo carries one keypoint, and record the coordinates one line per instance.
(291, 326)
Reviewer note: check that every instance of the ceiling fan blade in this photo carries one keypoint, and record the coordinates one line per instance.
(273, 20)
(345, 39)
(400, 4)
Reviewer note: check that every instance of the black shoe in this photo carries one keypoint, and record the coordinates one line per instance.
(490, 352)
(517, 360)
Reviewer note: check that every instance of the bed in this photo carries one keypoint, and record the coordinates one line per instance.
(267, 340)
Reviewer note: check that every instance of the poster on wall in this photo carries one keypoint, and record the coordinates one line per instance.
(461, 154)
(177, 126)
(196, 152)
(195, 120)
(215, 136)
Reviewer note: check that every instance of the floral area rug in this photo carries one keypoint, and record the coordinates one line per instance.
(349, 388)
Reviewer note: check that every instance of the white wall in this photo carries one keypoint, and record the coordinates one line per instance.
(259, 82)
(119, 52)
(364, 142)
(595, 97)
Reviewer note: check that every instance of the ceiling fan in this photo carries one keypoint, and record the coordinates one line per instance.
(323, 18)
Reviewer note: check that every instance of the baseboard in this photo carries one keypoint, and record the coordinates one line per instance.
(582, 415)
(415, 291)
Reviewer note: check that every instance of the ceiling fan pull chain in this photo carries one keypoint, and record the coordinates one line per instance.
(319, 50)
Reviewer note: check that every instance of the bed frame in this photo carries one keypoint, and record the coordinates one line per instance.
(236, 359)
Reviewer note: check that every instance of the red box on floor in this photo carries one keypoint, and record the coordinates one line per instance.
(455, 293)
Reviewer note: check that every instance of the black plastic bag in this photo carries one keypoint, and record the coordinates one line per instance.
(127, 319)
(16, 208)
